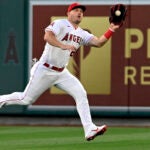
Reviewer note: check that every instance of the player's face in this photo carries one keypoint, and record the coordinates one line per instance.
(75, 16)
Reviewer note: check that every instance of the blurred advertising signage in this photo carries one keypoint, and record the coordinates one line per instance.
(117, 74)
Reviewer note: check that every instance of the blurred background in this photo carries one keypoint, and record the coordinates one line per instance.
(116, 76)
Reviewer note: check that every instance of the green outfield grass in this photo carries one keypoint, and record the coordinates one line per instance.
(72, 138)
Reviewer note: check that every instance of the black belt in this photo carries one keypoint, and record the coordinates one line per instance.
(54, 67)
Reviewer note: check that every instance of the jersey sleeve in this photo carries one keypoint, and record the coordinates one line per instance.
(87, 37)
(54, 27)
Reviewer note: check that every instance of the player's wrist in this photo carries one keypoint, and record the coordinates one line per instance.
(108, 34)
(62, 46)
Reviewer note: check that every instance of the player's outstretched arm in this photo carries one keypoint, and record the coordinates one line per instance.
(100, 41)
(116, 19)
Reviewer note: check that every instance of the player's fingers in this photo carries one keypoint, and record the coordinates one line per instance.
(68, 47)
(73, 48)
(114, 26)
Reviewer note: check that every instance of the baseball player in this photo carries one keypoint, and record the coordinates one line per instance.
(63, 38)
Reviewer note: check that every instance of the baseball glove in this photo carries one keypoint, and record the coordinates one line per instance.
(117, 14)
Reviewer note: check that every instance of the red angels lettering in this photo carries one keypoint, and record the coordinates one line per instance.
(72, 37)
(78, 39)
(65, 38)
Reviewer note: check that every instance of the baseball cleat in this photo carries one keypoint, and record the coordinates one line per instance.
(95, 132)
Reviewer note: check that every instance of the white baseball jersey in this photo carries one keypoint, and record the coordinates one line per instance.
(42, 78)
(67, 34)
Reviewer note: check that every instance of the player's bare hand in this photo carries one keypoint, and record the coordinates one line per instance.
(114, 27)
(68, 47)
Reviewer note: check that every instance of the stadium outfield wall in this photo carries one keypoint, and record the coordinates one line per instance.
(120, 86)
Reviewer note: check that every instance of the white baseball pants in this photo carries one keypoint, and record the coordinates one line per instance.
(42, 78)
